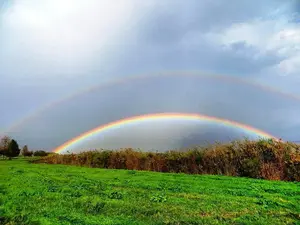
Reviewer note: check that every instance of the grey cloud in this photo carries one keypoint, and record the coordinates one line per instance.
(171, 36)
(183, 94)
(238, 60)
(173, 20)
(158, 40)
(296, 6)
(2, 3)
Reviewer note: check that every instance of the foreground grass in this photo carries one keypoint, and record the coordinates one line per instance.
(60, 194)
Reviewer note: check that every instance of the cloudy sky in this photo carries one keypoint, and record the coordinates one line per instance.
(50, 49)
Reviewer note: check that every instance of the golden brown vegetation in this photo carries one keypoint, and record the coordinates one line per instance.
(265, 159)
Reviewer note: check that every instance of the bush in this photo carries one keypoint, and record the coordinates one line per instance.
(250, 168)
(267, 159)
(28, 154)
(40, 153)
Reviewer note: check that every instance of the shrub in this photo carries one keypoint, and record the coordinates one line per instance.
(250, 168)
(267, 159)
(29, 153)
(40, 153)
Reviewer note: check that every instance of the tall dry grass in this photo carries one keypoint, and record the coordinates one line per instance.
(264, 159)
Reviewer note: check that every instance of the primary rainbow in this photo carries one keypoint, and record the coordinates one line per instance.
(187, 116)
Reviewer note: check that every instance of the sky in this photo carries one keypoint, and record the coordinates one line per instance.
(50, 49)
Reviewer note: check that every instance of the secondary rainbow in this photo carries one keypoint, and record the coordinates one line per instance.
(171, 74)
(185, 116)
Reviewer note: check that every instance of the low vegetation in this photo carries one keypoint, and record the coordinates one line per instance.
(9, 148)
(264, 159)
(33, 194)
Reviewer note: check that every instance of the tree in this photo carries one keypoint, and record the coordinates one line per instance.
(4, 143)
(13, 149)
(25, 151)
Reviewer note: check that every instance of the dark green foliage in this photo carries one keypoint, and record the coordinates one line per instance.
(268, 155)
(40, 153)
(29, 153)
(292, 170)
(250, 168)
(13, 149)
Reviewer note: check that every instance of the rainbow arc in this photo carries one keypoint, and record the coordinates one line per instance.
(165, 116)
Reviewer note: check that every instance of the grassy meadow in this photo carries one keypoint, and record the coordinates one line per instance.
(65, 194)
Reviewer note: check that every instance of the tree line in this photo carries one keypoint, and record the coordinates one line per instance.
(10, 148)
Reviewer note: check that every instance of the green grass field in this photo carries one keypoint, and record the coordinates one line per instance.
(59, 194)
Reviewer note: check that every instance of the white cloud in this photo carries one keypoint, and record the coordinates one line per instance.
(62, 33)
(268, 36)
